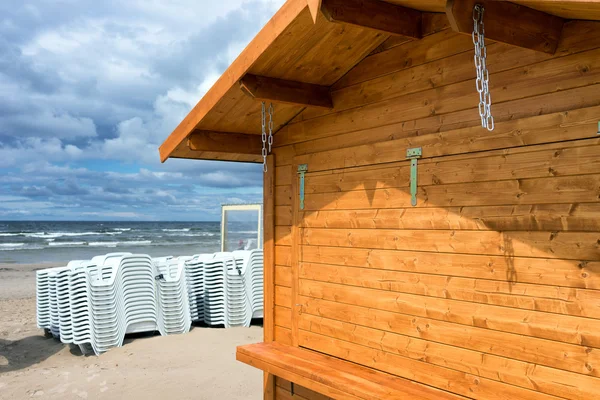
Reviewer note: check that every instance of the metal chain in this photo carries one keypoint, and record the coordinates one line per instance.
(263, 120)
(483, 75)
(265, 140)
(271, 125)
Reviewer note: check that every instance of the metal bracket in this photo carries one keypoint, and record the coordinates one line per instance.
(598, 127)
(302, 169)
(413, 155)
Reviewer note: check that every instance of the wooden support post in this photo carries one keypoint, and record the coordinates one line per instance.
(297, 216)
(509, 23)
(224, 142)
(289, 92)
(269, 267)
(375, 14)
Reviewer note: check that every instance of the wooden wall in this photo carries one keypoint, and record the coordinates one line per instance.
(490, 287)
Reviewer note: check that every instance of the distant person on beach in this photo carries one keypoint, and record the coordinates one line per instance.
(241, 245)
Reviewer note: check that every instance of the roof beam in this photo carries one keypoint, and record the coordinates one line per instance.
(509, 23)
(283, 91)
(374, 14)
(314, 6)
(225, 142)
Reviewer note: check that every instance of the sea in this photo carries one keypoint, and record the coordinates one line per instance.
(41, 241)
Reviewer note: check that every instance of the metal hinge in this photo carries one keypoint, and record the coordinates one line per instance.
(302, 170)
(413, 155)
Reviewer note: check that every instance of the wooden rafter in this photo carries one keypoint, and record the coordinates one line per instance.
(289, 92)
(374, 14)
(509, 23)
(224, 142)
(314, 6)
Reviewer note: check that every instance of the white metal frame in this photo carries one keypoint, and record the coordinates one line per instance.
(240, 207)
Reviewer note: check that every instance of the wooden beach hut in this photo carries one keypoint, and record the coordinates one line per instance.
(421, 241)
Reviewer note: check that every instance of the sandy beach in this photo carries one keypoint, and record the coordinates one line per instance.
(199, 365)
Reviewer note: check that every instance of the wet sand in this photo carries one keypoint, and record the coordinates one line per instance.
(199, 365)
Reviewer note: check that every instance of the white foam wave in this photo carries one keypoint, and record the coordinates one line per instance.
(54, 235)
(103, 244)
(177, 230)
(9, 245)
(9, 234)
(122, 229)
(201, 234)
(66, 244)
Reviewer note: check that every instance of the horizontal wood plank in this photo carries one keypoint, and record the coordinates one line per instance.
(562, 356)
(508, 371)
(543, 271)
(541, 217)
(559, 328)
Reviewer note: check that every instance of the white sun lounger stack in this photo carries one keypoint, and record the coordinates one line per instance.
(255, 271)
(42, 299)
(214, 289)
(194, 273)
(80, 304)
(64, 305)
(238, 310)
(54, 320)
(95, 303)
(173, 311)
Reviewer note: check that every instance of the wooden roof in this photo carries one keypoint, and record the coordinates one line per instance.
(292, 47)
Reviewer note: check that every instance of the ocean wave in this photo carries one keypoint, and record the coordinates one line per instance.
(9, 245)
(122, 229)
(201, 234)
(103, 244)
(53, 235)
(120, 244)
(9, 234)
(177, 230)
(66, 244)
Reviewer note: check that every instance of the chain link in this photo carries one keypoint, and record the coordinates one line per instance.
(266, 141)
(483, 75)
(263, 120)
(271, 125)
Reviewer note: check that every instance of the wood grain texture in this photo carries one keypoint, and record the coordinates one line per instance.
(224, 142)
(269, 267)
(274, 90)
(506, 371)
(373, 14)
(489, 288)
(508, 23)
(336, 377)
(560, 356)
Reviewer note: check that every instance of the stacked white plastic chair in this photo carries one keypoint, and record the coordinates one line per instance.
(95, 303)
(214, 289)
(238, 311)
(255, 271)
(54, 319)
(64, 304)
(123, 300)
(194, 273)
(42, 299)
(80, 304)
(173, 306)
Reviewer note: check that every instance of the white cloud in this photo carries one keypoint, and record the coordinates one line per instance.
(91, 89)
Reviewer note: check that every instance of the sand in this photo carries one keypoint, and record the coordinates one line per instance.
(199, 365)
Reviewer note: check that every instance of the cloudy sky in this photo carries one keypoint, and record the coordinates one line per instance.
(88, 91)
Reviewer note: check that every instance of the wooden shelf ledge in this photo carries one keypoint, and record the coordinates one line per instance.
(333, 377)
